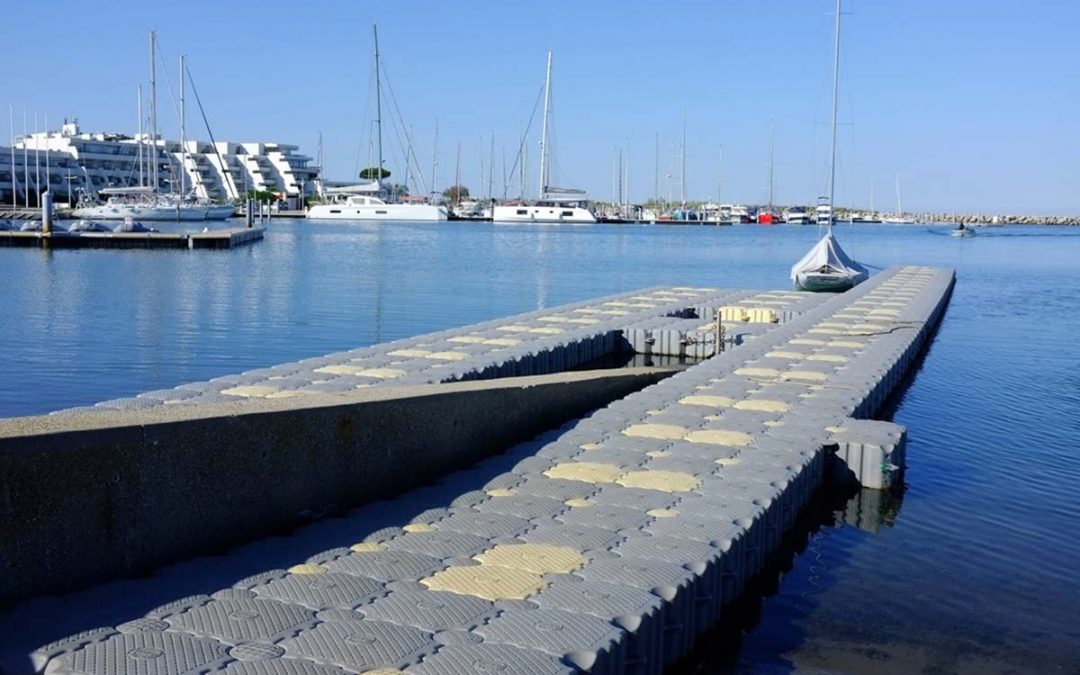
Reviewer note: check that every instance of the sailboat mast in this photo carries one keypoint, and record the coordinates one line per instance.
(139, 142)
(457, 175)
(772, 146)
(682, 171)
(14, 180)
(835, 103)
(153, 113)
(378, 107)
(183, 150)
(435, 161)
(899, 210)
(544, 132)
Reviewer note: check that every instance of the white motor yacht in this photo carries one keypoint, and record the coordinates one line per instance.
(361, 203)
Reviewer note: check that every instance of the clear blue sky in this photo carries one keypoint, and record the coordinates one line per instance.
(975, 104)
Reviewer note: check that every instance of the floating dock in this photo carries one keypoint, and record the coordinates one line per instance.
(607, 545)
(220, 239)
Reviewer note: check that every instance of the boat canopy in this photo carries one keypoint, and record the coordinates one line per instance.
(134, 190)
(373, 187)
(827, 256)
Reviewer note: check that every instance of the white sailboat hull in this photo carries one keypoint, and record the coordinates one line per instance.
(377, 212)
(827, 268)
(154, 213)
(543, 214)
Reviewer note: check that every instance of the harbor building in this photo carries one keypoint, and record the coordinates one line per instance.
(56, 171)
(87, 162)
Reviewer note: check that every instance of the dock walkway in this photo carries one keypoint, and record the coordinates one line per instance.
(606, 546)
(225, 238)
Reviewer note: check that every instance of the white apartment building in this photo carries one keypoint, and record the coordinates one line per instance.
(220, 171)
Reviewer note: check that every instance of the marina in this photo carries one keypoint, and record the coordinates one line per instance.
(290, 243)
(368, 341)
(665, 502)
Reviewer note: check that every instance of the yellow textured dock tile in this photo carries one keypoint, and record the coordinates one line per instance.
(586, 472)
(339, 369)
(618, 303)
(719, 437)
(289, 393)
(728, 461)
(547, 330)
(418, 527)
(884, 312)
(834, 430)
(757, 372)
(893, 303)
(579, 503)
(663, 481)
(504, 342)
(586, 322)
(447, 356)
(538, 558)
(553, 319)
(805, 375)
(807, 341)
(708, 401)
(590, 446)
(385, 671)
(662, 513)
(868, 326)
(251, 391)
(785, 355)
(669, 432)
(829, 358)
(773, 423)
(500, 492)
(614, 312)
(732, 313)
(382, 373)
(824, 331)
(367, 547)
(467, 339)
(832, 324)
(487, 582)
(656, 454)
(763, 405)
(587, 310)
(513, 328)
(846, 344)
(409, 352)
(307, 568)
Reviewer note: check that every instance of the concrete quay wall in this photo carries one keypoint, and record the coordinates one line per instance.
(87, 498)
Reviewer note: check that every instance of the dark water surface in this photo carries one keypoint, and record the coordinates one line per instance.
(974, 569)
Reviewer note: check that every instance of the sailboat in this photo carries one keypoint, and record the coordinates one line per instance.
(899, 218)
(826, 267)
(556, 205)
(367, 201)
(145, 202)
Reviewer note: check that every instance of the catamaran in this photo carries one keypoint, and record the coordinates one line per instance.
(826, 267)
(370, 201)
(556, 205)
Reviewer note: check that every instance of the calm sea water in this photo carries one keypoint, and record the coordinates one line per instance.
(973, 569)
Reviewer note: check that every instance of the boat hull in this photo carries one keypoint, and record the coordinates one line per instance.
(543, 214)
(378, 212)
(154, 213)
(818, 282)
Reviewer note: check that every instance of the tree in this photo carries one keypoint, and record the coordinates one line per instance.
(400, 190)
(262, 195)
(372, 171)
(456, 193)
